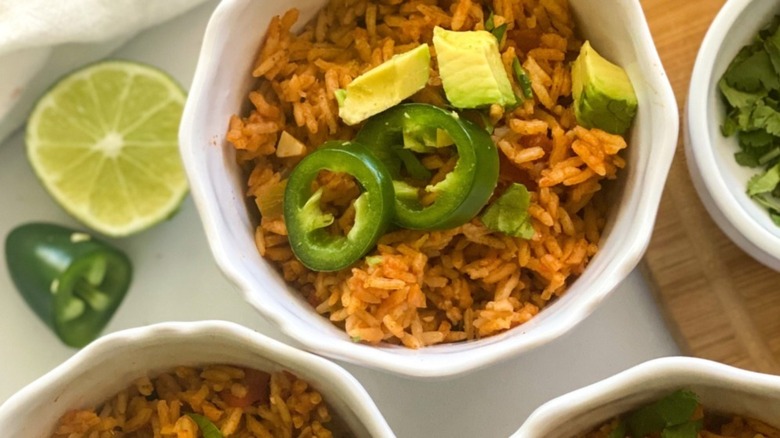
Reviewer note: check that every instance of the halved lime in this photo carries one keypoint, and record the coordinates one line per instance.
(103, 141)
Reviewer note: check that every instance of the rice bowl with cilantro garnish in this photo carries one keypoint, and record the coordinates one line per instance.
(746, 403)
(451, 282)
(426, 283)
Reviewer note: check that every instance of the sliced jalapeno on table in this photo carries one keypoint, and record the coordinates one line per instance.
(311, 242)
(72, 281)
(463, 192)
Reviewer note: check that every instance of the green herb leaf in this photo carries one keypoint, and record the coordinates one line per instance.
(771, 37)
(770, 202)
(490, 24)
(730, 124)
(753, 73)
(689, 429)
(750, 88)
(775, 216)
(206, 426)
(509, 214)
(499, 32)
(673, 410)
(755, 139)
(619, 431)
(766, 117)
(765, 182)
(522, 79)
(745, 159)
(737, 98)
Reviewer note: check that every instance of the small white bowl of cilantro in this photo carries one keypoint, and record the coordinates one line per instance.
(732, 139)
(672, 396)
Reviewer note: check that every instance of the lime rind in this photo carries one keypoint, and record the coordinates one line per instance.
(103, 142)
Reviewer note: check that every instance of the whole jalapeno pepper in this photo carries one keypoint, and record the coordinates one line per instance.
(463, 192)
(311, 242)
(71, 280)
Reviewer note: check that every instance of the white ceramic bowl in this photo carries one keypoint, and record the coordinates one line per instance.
(720, 387)
(222, 80)
(112, 362)
(719, 180)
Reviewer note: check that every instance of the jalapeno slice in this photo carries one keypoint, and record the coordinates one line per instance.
(73, 281)
(463, 192)
(315, 246)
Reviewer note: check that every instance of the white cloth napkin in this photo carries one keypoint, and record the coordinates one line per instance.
(81, 31)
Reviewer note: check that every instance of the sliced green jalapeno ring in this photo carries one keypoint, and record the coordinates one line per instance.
(72, 281)
(463, 192)
(315, 246)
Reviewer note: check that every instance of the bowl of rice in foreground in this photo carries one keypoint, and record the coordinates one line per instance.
(423, 302)
(182, 379)
(733, 401)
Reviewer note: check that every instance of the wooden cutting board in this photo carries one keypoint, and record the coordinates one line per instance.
(720, 304)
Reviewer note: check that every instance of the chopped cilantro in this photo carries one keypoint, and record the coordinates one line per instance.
(764, 182)
(206, 427)
(751, 91)
(522, 79)
(775, 217)
(689, 429)
(745, 159)
(669, 416)
(619, 431)
(497, 31)
(764, 188)
(509, 214)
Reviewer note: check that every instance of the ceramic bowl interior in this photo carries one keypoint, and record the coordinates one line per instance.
(720, 387)
(719, 180)
(111, 363)
(615, 27)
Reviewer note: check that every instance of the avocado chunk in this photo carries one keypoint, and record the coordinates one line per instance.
(603, 95)
(385, 85)
(470, 68)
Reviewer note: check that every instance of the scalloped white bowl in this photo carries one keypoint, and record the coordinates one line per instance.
(719, 180)
(222, 80)
(112, 362)
(720, 387)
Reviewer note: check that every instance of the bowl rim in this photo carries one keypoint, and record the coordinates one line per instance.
(422, 363)
(353, 393)
(631, 380)
(750, 235)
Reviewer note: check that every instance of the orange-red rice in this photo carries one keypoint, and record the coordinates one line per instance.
(158, 407)
(442, 286)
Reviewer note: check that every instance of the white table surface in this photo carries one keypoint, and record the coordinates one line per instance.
(176, 279)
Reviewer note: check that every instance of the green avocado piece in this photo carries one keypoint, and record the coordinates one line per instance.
(385, 85)
(603, 95)
(470, 68)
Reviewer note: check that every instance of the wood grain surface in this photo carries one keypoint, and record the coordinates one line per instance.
(719, 303)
